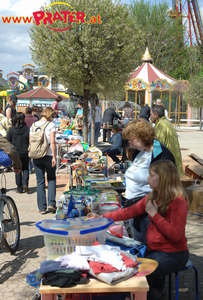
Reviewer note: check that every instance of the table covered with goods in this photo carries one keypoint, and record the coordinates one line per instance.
(85, 256)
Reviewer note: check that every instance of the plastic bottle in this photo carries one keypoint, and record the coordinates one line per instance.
(103, 159)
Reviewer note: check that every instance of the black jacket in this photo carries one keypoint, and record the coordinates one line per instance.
(145, 112)
(19, 138)
(160, 152)
(109, 115)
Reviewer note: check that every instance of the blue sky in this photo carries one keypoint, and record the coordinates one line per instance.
(15, 40)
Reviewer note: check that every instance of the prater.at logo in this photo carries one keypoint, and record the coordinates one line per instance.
(65, 17)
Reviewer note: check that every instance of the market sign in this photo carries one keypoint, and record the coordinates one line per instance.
(62, 20)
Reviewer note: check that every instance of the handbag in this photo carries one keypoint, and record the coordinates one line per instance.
(4, 159)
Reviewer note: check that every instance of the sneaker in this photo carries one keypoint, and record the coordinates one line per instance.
(26, 189)
(19, 192)
(51, 209)
(43, 212)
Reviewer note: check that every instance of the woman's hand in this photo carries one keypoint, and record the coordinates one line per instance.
(151, 208)
(53, 162)
(93, 216)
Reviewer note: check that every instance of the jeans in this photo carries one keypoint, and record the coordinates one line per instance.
(22, 178)
(167, 263)
(139, 224)
(112, 153)
(97, 130)
(41, 165)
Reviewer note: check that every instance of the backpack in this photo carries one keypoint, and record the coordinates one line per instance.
(38, 142)
(4, 159)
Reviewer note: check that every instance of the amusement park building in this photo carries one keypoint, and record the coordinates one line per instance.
(147, 83)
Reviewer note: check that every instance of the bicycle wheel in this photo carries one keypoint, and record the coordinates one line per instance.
(11, 223)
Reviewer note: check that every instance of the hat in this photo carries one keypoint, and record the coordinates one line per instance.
(13, 98)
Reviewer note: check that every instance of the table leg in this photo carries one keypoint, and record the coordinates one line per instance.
(139, 296)
(49, 297)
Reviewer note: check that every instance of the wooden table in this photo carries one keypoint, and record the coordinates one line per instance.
(136, 285)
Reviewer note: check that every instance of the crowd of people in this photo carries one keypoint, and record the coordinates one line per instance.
(15, 131)
(155, 202)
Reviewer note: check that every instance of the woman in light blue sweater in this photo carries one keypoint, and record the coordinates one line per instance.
(116, 144)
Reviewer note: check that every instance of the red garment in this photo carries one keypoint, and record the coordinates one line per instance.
(98, 267)
(165, 234)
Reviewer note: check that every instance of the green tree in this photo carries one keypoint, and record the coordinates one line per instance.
(194, 94)
(89, 58)
(166, 38)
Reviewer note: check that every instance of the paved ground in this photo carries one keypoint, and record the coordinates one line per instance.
(14, 268)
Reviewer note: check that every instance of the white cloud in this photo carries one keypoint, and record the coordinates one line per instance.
(25, 7)
(5, 4)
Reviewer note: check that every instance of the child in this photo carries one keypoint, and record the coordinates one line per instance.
(129, 152)
(116, 144)
(167, 208)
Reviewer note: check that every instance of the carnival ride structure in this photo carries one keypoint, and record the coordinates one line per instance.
(189, 14)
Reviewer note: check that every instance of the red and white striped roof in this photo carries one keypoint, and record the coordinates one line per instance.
(148, 73)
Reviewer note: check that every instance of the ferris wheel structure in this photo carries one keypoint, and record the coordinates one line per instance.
(189, 14)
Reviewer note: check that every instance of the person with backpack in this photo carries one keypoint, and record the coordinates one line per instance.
(18, 136)
(42, 149)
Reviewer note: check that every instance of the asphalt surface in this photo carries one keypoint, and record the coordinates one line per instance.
(14, 268)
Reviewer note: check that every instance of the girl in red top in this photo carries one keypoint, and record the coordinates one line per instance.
(167, 207)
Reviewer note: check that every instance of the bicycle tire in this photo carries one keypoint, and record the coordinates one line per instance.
(11, 230)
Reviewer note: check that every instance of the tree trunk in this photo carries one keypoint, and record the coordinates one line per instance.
(85, 115)
(200, 118)
(93, 103)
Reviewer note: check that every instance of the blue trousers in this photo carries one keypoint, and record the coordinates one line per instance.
(112, 153)
(41, 165)
(167, 263)
(138, 227)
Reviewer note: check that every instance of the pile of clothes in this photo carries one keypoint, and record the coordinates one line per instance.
(106, 263)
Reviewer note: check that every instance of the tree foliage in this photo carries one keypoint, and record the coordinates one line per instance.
(167, 39)
(194, 94)
(89, 58)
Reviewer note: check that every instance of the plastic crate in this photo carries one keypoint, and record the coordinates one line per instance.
(62, 236)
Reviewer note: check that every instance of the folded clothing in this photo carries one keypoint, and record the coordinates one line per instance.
(63, 279)
(98, 267)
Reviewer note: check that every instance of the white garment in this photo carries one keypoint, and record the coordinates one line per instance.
(166, 113)
(73, 261)
(102, 253)
(49, 128)
(136, 176)
(114, 277)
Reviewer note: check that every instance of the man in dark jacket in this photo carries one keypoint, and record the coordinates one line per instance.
(145, 112)
(109, 115)
(10, 110)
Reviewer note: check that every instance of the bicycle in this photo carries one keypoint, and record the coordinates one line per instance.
(9, 220)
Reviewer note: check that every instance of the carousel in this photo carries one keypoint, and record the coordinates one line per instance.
(147, 84)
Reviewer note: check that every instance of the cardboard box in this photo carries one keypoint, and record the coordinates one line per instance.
(195, 194)
(186, 181)
(193, 166)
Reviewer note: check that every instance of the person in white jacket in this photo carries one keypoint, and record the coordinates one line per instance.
(5, 124)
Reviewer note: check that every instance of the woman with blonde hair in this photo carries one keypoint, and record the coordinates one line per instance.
(46, 163)
(141, 135)
(166, 206)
